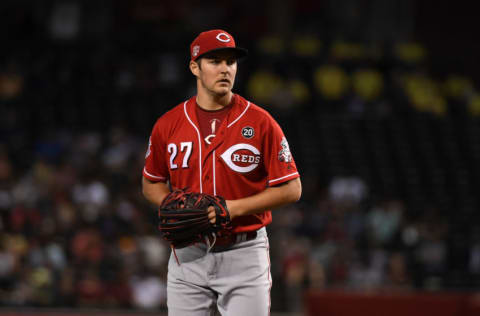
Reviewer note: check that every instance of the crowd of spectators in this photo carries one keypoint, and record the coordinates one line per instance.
(75, 115)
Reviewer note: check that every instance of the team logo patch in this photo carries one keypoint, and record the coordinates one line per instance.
(242, 157)
(195, 50)
(284, 154)
(248, 132)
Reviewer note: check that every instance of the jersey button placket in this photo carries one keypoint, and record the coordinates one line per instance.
(206, 178)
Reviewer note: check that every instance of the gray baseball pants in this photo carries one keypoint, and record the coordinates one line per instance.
(236, 280)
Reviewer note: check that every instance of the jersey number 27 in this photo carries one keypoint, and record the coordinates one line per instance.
(185, 147)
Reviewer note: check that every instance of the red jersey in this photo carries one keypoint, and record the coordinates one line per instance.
(248, 154)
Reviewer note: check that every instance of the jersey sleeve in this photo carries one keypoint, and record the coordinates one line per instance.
(279, 162)
(155, 168)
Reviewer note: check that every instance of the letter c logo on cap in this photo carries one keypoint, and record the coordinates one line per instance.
(222, 37)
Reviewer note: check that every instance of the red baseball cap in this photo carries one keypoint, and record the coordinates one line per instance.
(214, 40)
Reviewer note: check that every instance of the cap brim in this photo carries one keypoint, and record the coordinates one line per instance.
(239, 52)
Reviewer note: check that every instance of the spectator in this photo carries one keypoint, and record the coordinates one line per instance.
(149, 291)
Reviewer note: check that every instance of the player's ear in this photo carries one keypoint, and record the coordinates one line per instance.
(194, 68)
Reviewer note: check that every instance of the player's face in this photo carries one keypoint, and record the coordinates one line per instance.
(217, 72)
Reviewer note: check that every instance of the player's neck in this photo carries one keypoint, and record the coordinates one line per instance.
(211, 102)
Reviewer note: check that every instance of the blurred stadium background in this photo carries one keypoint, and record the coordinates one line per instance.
(380, 102)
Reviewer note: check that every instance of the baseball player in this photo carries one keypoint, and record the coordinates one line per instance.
(219, 143)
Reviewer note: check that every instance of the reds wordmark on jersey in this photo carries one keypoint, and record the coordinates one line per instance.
(248, 153)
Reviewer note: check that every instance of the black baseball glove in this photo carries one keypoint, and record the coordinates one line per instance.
(184, 217)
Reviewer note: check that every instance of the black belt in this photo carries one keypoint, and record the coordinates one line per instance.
(231, 239)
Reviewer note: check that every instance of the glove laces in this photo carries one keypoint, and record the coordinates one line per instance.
(207, 241)
(175, 254)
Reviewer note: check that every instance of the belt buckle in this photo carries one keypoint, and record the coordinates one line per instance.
(241, 237)
(246, 236)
